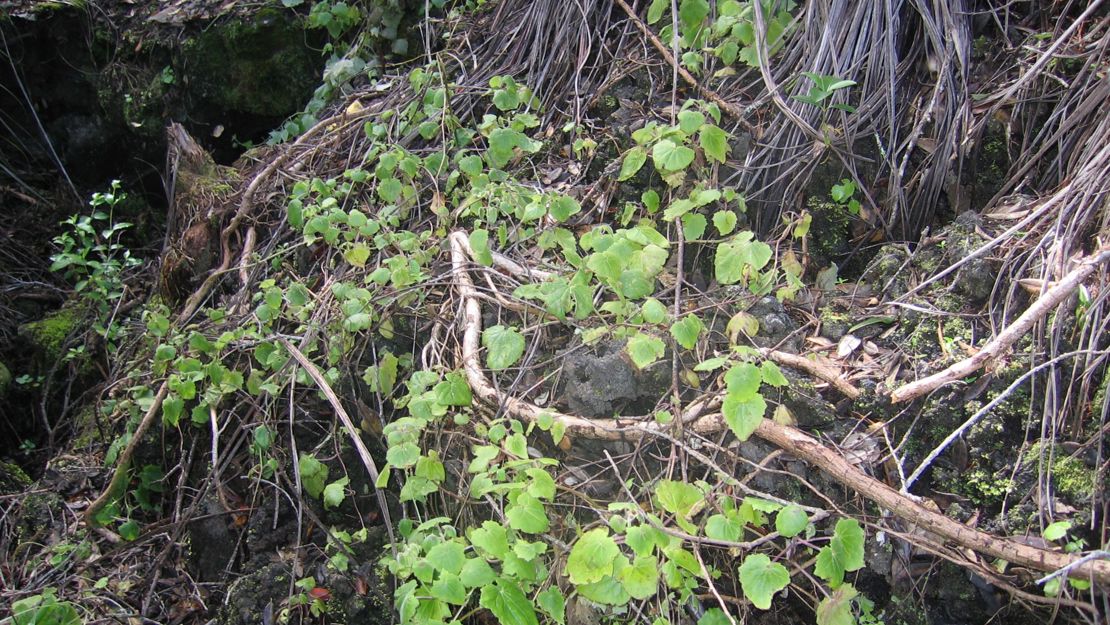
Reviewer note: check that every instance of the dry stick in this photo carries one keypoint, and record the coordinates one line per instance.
(1045, 303)
(122, 465)
(790, 439)
(729, 108)
(360, 447)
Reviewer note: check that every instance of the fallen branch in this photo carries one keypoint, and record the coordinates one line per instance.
(787, 438)
(123, 464)
(994, 348)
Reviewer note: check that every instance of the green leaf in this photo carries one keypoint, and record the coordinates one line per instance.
(504, 347)
(357, 254)
(314, 474)
(479, 242)
(693, 226)
(449, 589)
(670, 157)
(644, 349)
(689, 121)
(654, 311)
(608, 591)
(453, 390)
(836, 609)
(448, 556)
(641, 578)
(552, 602)
(591, 559)
(772, 374)
(681, 499)
(843, 553)
(724, 221)
(791, 520)
(691, 14)
(721, 527)
(492, 538)
(650, 198)
(635, 284)
(506, 601)
(687, 330)
(128, 530)
(741, 253)
(634, 159)
(714, 142)
(761, 579)
(655, 10)
(476, 572)
(172, 407)
(403, 455)
(564, 207)
(336, 492)
(527, 515)
(643, 539)
(1057, 530)
(743, 379)
(743, 413)
(714, 616)
(471, 165)
(389, 189)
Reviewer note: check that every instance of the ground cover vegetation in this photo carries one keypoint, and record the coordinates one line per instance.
(667, 312)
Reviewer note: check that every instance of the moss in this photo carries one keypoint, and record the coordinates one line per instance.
(834, 323)
(259, 66)
(12, 478)
(48, 335)
(5, 379)
(1072, 477)
(830, 232)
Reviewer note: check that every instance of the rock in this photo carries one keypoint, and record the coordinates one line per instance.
(248, 597)
(212, 544)
(886, 272)
(605, 383)
(776, 328)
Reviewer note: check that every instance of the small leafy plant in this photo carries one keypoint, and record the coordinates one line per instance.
(95, 259)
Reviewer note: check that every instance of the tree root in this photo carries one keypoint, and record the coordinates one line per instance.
(787, 438)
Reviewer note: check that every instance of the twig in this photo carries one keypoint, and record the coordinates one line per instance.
(360, 447)
(119, 478)
(1049, 300)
